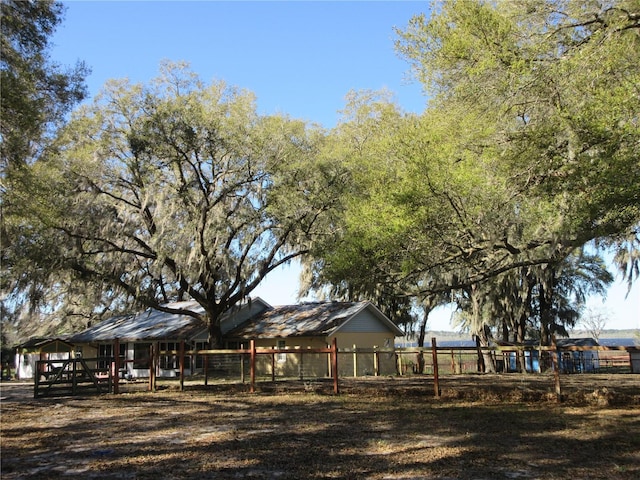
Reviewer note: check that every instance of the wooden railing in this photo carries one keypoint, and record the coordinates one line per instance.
(73, 376)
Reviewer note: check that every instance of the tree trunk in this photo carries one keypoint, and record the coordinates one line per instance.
(420, 357)
(481, 364)
(428, 306)
(485, 359)
(422, 332)
(520, 334)
(546, 324)
(215, 333)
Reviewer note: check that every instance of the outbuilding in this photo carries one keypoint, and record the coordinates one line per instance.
(295, 328)
(34, 349)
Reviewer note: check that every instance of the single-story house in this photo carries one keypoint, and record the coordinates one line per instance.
(136, 333)
(290, 328)
(34, 349)
(294, 328)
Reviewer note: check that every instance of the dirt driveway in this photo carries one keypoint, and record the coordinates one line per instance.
(483, 427)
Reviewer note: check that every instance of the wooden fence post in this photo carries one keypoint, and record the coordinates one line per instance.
(74, 378)
(453, 362)
(355, 361)
(252, 367)
(556, 368)
(273, 367)
(182, 365)
(36, 378)
(334, 364)
(152, 367)
(116, 366)
(376, 362)
(436, 380)
(206, 370)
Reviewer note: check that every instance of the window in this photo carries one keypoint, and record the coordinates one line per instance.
(169, 361)
(105, 352)
(282, 357)
(200, 358)
(141, 355)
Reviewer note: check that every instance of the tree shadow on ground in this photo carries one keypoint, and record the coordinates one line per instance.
(395, 435)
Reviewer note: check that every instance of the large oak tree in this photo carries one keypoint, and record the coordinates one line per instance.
(179, 190)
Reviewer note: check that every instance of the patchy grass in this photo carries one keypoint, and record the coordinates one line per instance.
(498, 427)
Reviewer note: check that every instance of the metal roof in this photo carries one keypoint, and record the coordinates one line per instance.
(307, 319)
(146, 326)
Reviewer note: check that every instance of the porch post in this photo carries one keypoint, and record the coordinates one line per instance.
(453, 362)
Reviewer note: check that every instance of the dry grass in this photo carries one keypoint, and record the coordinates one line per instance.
(483, 427)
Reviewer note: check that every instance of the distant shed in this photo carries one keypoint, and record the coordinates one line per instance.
(34, 349)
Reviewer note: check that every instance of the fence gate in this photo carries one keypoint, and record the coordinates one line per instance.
(73, 376)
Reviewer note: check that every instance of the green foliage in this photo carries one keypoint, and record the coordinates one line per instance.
(36, 96)
(557, 84)
(527, 151)
(36, 93)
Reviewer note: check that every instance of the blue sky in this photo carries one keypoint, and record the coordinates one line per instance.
(299, 58)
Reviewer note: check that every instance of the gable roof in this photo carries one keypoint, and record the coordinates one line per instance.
(45, 344)
(577, 342)
(307, 320)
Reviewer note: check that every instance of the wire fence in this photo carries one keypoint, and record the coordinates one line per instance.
(305, 364)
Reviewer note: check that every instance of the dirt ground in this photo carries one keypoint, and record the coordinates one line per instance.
(482, 427)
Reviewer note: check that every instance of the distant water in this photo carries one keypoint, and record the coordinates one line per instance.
(605, 342)
(450, 343)
(617, 342)
(457, 343)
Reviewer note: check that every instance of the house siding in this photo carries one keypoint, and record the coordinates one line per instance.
(364, 322)
(363, 364)
(26, 362)
(293, 362)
